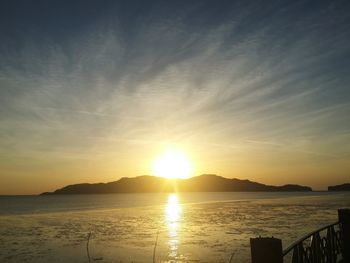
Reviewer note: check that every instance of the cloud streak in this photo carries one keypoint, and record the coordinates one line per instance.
(273, 75)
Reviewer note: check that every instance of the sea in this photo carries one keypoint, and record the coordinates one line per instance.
(157, 227)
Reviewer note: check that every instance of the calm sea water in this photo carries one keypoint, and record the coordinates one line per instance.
(188, 227)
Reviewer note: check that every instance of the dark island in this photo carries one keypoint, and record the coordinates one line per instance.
(341, 187)
(152, 184)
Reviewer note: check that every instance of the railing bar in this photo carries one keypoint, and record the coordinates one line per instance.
(288, 249)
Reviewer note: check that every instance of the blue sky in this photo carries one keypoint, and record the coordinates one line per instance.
(249, 89)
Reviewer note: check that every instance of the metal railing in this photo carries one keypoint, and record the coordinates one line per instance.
(321, 246)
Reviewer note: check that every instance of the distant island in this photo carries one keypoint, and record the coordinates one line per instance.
(341, 187)
(153, 184)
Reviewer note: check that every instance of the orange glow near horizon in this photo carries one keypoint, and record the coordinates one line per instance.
(172, 164)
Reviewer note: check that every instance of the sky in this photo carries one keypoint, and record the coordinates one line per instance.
(92, 91)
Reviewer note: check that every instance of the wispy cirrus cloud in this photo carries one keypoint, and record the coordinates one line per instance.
(273, 74)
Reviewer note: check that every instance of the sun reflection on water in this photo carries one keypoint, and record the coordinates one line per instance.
(173, 216)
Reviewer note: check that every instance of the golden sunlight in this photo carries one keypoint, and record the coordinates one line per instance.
(172, 164)
(173, 215)
(173, 209)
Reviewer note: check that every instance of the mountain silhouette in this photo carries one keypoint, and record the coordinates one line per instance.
(341, 187)
(151, 184)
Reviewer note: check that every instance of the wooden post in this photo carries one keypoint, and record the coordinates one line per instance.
(266, 250)
(344, 219)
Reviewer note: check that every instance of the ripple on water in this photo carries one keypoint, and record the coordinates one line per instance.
(202, 232)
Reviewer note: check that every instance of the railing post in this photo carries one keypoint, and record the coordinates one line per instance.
(344, 220)
(266, 250)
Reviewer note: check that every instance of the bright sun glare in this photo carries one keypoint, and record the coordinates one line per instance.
(172, 164)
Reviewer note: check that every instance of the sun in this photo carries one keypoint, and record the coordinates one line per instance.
(172, 164)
